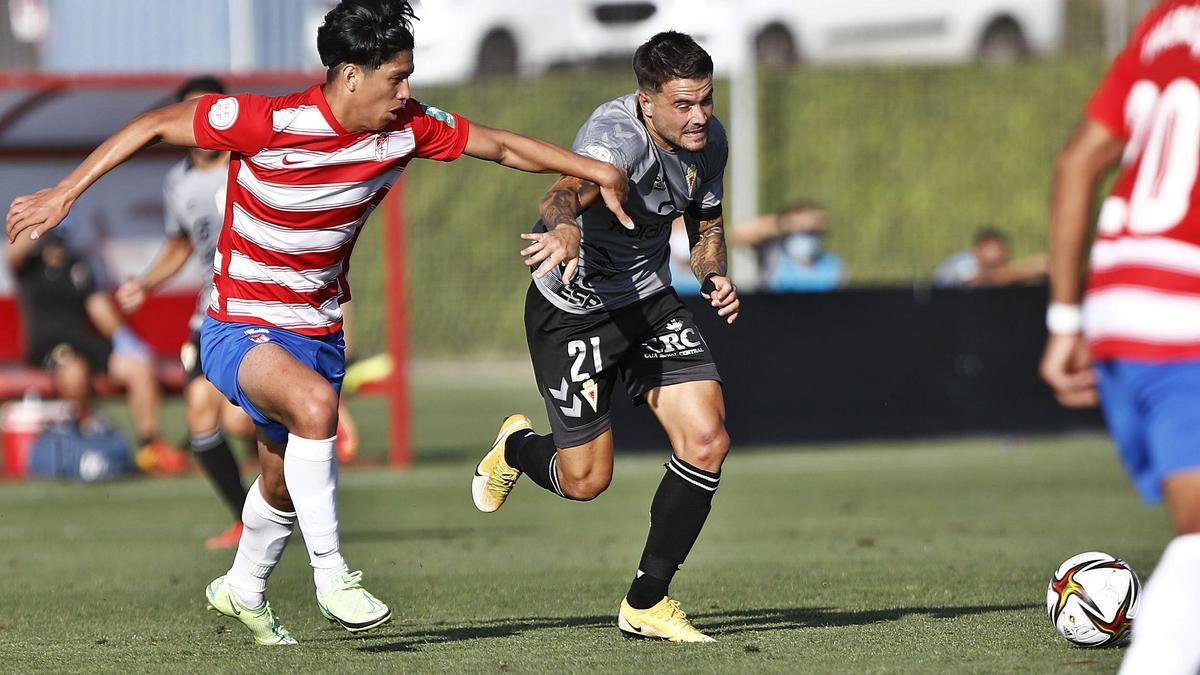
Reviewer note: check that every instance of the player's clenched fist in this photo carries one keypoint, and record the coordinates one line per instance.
(553, 248)
(721, 292)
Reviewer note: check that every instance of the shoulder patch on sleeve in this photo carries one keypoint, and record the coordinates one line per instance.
(439, 115)
(223, 113)
(599, 152)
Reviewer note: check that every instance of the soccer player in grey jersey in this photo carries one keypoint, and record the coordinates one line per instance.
(601, 313)
(194, 202)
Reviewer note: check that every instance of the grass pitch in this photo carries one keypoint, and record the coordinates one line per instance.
(915, 557)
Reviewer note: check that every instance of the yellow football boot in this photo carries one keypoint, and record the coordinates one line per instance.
(664, 621)
(494, 478)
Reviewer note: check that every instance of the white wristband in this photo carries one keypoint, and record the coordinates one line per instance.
(1063, 318)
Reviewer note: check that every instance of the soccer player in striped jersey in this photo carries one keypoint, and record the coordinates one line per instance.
(1134, 344)
(305, 172)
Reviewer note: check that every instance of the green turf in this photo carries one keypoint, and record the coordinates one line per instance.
(886, 558)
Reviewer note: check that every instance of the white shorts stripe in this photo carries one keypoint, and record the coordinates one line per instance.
(285, 315)
(292, 240)
(301, 281)
(318, 197)
(1134, 313)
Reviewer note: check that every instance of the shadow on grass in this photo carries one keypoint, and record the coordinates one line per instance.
(716, 623)
(418, 534)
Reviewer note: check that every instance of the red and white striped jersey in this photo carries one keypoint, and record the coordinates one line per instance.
(1143, 293)
(300, 188)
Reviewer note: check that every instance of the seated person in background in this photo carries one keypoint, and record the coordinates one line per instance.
(73, 328)
(988, 263)
(682, 277)
(791, 247)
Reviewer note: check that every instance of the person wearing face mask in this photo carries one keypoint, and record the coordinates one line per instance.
(791, 247)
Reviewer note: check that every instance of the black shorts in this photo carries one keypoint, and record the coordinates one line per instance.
(579, 358)
(189, 356)
(47, 352)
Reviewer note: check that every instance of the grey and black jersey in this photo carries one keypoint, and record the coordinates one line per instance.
(618, 267)
(194, 201)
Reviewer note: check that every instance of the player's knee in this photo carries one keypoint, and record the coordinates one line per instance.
(707, 447)
(584, 486)
(314, 412)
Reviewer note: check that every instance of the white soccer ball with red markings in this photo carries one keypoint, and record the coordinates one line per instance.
(1092, 598)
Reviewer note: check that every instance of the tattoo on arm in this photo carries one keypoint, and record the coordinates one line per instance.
(707, 238)
(566, 199)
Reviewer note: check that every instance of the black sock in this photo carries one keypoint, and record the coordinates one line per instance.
(677, 514)
(213, 453)
(536, 456)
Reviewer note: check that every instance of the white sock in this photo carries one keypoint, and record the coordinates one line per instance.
(311, 471)
(266, 533)
(1164, 632)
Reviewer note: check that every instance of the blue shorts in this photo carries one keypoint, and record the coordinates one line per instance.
(1153, 413)
(224, 345)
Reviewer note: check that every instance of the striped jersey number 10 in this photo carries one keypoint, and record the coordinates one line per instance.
(1165, 130)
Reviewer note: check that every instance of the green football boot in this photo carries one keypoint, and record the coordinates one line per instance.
(350, 606)
(262, 622)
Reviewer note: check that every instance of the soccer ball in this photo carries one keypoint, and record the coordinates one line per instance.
(1092, 599)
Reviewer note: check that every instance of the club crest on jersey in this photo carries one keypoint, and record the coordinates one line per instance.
(258, 335)
(591, 393)
(223, 113)
(381, 145)
(691, 179)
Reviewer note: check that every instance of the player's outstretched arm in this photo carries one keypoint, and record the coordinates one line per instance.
(171, 258)
(707, 238)
(1066, 365)
(559, 244)
(537, 156)
(45, 209)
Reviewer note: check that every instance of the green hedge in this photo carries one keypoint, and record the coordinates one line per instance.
(909, 161)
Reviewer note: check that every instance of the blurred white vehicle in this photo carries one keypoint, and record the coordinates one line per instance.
(461, 39)
(838, 31)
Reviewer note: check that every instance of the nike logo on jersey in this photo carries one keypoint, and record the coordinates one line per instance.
(288, 161)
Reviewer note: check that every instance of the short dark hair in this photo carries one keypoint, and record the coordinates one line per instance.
(367, 33)
(990, 233)
(201, 84)
(670, 56)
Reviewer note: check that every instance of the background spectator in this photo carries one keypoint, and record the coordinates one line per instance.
(73, 328)
(988, 263)
(791, 249)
